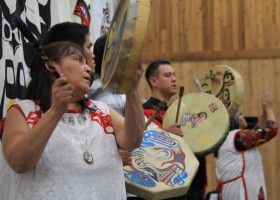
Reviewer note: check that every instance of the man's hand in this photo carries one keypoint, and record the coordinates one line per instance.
(175, 129)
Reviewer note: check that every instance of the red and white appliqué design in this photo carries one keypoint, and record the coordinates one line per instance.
(105, 121)
(33, 118)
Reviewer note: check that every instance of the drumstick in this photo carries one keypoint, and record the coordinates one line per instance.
(55, 73)
(161, 106)
(197, 84)
(181, 92)
(25, 30)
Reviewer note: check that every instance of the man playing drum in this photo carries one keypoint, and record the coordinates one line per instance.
(161, 78)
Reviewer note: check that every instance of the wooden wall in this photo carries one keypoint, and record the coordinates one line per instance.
(213, 29)
(243, 34)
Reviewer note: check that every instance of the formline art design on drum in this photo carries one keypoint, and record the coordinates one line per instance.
(193, 119)
(159, 159)
(213, 107)
(224, 80)
(226, 84)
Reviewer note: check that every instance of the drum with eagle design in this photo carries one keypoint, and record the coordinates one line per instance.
(162, 167)
(226, 84)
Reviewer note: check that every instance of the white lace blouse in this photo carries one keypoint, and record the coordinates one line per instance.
(62, 173)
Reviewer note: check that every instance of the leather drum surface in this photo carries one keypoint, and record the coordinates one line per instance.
(162, 167)
(226, 84)
(124, 45)
(204, 121)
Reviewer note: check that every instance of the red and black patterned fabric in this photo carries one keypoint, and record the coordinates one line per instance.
(247, 139)
(149, 109)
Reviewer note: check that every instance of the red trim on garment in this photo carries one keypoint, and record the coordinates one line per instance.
(243, 179)
(78, 111)
(74, 111)
(148, 113)
(19, 109)
(221, 183)
(2, 124)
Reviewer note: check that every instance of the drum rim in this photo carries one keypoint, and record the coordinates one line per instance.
(219, 141)
(192, 165)
(118, 82)
(239, 87)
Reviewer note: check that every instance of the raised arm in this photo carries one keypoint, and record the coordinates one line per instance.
(129, 134)
(22, 147)
(246, 139)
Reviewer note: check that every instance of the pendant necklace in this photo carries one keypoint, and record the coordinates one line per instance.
(81, 120)
(87, 156)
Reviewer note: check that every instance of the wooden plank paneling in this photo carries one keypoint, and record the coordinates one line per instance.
(217, 22)
(207, 24)
(212, 55)
(235, 23)
(259, 24)
(193, 27)
(277, 23)
(175, 26)
(244, 34)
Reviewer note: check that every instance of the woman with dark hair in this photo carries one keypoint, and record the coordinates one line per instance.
(238, 161)
(59, 145)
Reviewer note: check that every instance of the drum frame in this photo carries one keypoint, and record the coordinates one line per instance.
(124, 45)
(156, 140)
(205, 136)
(237, 89)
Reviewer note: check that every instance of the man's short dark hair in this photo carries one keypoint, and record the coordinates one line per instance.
(98, 51)
(152, 69)
(67, 31)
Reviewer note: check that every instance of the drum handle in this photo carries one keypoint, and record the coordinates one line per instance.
(197, 84)
(181, 92)
(161, 106)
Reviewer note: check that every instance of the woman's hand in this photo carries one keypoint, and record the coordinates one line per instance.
(267, 101)
(62, 94)
(137, 78)
(267, 109)
(131, 132)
